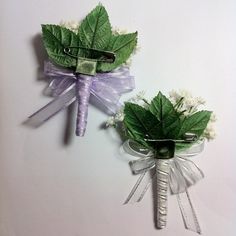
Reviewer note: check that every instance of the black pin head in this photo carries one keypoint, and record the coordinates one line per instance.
(165, 149)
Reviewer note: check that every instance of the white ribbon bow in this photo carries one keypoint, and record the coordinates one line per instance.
(178, 173)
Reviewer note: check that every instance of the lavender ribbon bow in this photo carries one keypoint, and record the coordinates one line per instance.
(68, 87)
(178, 174)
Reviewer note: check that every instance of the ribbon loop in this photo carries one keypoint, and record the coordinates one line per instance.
(142, 165)
(179, 173)
(183, 174)
(67, 87)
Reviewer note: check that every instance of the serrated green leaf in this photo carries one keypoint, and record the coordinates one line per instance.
(195, 123)
(94, 33)
(55, 39)
(165, 112)
(140, 123)
(123, 46)
(95, 29)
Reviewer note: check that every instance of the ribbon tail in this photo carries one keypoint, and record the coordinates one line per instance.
(188, 213)
(83, 87)
(140, 188)
(110, 106)
(62, 101)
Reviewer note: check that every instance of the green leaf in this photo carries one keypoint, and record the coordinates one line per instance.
(94, 33)
(123, 46)
(95, 29)
(140, 123)
(165, 112)
(195, 123)
(55, 39)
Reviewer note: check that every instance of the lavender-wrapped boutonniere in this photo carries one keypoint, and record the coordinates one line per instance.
(86, 59)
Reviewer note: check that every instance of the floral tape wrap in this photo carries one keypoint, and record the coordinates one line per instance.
(68, 87)
(178, 174)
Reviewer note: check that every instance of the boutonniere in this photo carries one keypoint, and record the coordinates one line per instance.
(163, 135)
(86, 60)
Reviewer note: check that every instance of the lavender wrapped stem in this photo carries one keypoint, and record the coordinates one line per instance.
(83, 85)
(66, 87)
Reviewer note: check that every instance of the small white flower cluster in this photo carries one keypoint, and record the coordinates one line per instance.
(71, 25)
(114, 120)
(139, 97)
(187, 104)
(117, 31)
(209, 132)
(119, 116)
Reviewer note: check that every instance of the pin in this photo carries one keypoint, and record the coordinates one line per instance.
(187, 138)
(88, 65)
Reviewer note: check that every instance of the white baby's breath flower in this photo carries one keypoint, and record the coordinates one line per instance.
(128, 62)
(185, 93)
(110, 121)
(71, 25)
(213, 118)
(118, 31)
(119, 116)
(200, 101)
(212, 135)
(138, 97)
(174, 96)
(188, 105)
(115, 119)
(173, 93)
(189, 102)
(185, 102)
(209, 132)
(137, 49)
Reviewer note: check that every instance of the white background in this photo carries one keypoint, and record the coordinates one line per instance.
(49, 188)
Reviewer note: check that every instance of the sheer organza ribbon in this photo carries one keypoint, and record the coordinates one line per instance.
(178, 174)
(68, 87)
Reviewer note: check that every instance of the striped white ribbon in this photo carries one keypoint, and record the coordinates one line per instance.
(178, 174)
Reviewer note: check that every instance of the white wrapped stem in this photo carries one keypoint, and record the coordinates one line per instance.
(162, 172)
